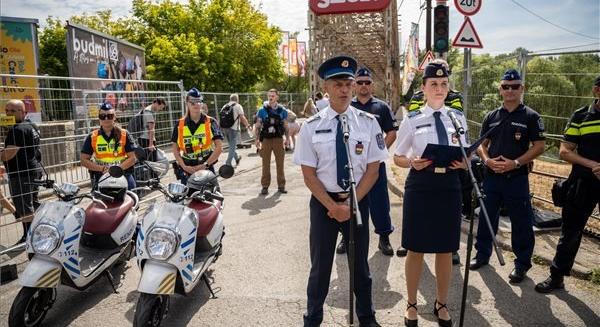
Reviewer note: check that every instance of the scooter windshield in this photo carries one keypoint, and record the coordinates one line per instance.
(52, 213)
(170, 215)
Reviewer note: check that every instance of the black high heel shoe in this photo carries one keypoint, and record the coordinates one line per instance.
(411, 322)
(441, 322)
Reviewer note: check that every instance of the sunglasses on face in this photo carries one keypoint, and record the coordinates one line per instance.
(510, 86)
(363, 82)
(106, 116)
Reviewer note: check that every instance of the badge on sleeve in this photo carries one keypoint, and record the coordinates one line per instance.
(517, 135)
(359, 148)
(380, 142)
(540, 124)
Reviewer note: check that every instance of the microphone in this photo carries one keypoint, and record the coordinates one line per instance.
(457, 124)
(345, 128)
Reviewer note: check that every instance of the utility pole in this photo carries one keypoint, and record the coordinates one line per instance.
(428, 29)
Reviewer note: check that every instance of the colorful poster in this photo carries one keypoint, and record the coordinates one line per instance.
(284, 52)
(18, 56)
(302, 58)
(293, 57)
(93, 54)
(411, 59)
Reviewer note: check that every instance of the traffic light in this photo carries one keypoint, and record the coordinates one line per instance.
(440, 28)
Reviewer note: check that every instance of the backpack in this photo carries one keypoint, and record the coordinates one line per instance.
(136, 124)
(226, 119)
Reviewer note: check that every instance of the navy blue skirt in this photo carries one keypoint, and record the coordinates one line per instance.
(431, 212)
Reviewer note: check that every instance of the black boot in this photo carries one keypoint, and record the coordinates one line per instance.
(385, 246)
(550, 284)
(455, 258)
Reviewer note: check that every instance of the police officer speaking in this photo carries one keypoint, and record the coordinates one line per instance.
(506, 153)
(379, 199)
(581, 148)
(326, 177)
(196, 139)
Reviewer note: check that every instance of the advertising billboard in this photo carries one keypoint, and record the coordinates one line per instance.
(19, 56)
(327, 7)
(93, 54)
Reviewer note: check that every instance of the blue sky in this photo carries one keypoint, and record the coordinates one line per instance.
(501, 24)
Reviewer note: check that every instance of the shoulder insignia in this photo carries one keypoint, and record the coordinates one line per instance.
(456, 111)
(366, 114)
(412, 114)
(313, 118)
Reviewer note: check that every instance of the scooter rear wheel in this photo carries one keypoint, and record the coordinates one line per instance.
(30, 306)
(150, 310)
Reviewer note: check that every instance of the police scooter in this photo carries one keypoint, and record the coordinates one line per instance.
(150, 169)
(178, 241)
(73, 246)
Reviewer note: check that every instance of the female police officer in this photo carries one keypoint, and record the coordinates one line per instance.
(110, 145)
(196, 139)
(428, 228)
(323, 157)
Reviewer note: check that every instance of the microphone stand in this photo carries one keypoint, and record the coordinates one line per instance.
(355, 218)
(483, 210)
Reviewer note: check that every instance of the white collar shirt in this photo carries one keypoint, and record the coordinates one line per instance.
(316, 146)
(418, 129)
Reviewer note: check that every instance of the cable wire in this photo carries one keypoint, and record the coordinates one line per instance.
(553, 24)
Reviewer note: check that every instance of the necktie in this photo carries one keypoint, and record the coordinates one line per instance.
(341, 157)
(440, 129)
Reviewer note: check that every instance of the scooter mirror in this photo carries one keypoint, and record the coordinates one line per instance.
(115, 171)
(140, 154)
(226, 171)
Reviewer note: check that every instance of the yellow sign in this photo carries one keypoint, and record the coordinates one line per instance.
(7, 120)
(93, 111)
(18, 43)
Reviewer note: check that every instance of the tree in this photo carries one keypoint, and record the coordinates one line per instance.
(53, 49)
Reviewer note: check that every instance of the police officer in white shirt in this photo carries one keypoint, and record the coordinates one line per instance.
(322, 154)
(432, 198)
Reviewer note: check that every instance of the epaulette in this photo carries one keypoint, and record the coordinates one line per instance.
(313, 118)
(366, 114)
(456, 111)
(413, 114)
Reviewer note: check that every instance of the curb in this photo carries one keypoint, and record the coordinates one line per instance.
(503, 238)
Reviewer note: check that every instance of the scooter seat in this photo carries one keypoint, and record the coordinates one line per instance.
(207, 216)
(102, 221)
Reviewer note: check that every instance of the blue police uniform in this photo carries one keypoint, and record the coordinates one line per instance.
(519, 128)
(428, 228)
(379, 199)
(319, 138)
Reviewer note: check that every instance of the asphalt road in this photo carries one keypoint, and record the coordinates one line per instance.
(261, 278)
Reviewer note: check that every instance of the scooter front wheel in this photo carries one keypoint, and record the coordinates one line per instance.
(30, 306)
(150, 310)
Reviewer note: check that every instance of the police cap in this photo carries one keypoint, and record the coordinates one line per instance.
(340, 67)
(363, 72)
(106, 106)
(194, 93)
(511, 75)
(435, 70)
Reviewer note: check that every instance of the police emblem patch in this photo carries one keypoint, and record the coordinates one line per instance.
(540, 124)
(454, 139)
(380, 142)
(439, 72)
(518, 136)
(359, 148)
(345, 63)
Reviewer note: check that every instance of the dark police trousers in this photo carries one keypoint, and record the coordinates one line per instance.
(323, 238)
(583, 196)
(379, 204)
(512, 192)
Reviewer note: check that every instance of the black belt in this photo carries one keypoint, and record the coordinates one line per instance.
(510, 174)
(339, 196)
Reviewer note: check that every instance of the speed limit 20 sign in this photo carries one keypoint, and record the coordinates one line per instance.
(468, 7)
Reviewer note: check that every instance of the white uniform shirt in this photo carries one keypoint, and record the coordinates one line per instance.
(418, 129)
(322, 104)
(316, 144)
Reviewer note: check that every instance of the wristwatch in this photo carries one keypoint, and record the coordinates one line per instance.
(517, 164)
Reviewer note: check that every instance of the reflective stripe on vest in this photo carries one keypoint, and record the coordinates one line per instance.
(200, 141)
(105, 152)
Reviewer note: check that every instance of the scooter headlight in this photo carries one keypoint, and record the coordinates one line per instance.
(45, 239)
(161, 243)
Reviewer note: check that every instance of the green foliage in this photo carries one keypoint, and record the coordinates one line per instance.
(219, 45)
(53, 49)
